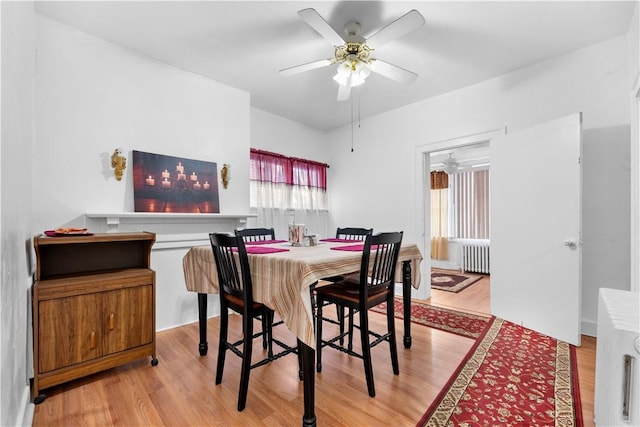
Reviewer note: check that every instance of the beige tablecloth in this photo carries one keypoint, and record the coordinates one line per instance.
(281, 280)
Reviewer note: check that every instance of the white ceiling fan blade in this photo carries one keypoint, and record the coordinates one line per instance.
(317, 22)
(392, 71)
(398, 28)
(305, 67)
(344, 91)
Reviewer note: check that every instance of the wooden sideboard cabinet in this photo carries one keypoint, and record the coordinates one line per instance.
(93, 305)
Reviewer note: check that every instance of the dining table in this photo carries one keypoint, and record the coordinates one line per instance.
(282, 275)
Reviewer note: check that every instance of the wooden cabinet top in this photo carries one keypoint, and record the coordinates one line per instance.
(59, 257)
(93, 238)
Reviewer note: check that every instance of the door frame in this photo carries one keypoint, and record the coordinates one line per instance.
(635, 186)
(423, 204)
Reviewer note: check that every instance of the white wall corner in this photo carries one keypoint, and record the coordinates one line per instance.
(28, 408)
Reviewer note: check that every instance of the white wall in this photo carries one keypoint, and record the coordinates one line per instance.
(279, 135)
(633, 35)
(377, 183)
(93, 96)
(605, 216)
(18, 42)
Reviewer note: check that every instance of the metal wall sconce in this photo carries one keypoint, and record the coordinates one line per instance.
(118, 163)
(225, 175)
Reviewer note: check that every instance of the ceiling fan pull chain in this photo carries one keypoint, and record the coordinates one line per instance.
(352, 125)
(359, 105)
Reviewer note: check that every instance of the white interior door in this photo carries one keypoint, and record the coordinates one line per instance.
(536, 226)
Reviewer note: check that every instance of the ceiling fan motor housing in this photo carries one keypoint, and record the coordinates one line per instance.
(353, 52)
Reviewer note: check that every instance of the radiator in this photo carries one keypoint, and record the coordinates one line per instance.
(617, 383)
(475, 257)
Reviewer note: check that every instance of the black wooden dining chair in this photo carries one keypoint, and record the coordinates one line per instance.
(236, 293)
(373, 286)
(353, 233)
(256, 234)
(347, 233)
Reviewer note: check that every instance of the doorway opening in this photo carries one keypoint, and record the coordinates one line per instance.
(460, 227)
(463, 150)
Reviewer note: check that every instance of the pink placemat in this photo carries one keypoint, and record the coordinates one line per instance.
(336, 240)
(263, 250)
(263, 242)
(353, 248)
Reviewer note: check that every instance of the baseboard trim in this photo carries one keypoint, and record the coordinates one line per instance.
(445, 265)
(589, 328)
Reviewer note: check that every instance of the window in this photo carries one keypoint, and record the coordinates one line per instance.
(469, 198)
(282, 182)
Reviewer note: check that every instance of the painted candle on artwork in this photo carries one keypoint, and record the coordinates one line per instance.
(174, 184)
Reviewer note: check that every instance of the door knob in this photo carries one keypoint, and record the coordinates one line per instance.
(571, 243)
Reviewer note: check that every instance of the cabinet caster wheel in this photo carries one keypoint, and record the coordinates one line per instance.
(39, 399)
(203, 348)
(154, 362)
(318, 367)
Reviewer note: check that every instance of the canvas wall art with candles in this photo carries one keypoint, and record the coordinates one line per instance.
(173, 184)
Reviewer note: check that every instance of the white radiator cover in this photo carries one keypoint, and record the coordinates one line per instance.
(617, 388)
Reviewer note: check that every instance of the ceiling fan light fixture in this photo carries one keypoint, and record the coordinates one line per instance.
(352, 74)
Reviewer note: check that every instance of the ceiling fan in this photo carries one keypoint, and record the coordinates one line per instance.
(451, 165)
(353, 52)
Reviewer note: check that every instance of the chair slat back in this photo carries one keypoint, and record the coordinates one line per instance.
(353, 233)
(232, 263)
(256, 234)
(379, 259)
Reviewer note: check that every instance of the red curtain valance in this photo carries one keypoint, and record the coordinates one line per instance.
(276, 168)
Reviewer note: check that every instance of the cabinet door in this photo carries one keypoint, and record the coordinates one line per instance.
(70, 331)
(128, 315)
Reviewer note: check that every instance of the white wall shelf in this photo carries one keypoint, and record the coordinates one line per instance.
(112, 222)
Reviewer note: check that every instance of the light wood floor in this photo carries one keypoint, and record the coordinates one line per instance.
(180, 391)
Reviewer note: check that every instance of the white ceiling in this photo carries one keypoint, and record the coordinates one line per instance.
(244, 44)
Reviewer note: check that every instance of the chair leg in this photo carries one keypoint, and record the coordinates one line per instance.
(247, 348)
(350, 342)
(366, 352)
(266, 321)
(391, 329)
(222, 342)
(300, 371)
(320, 303)
(312, 292)
(268, 334)
(340, 316)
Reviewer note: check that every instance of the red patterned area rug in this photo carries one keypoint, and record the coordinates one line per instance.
(512, 376)
(465, 324)
(452, 281)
